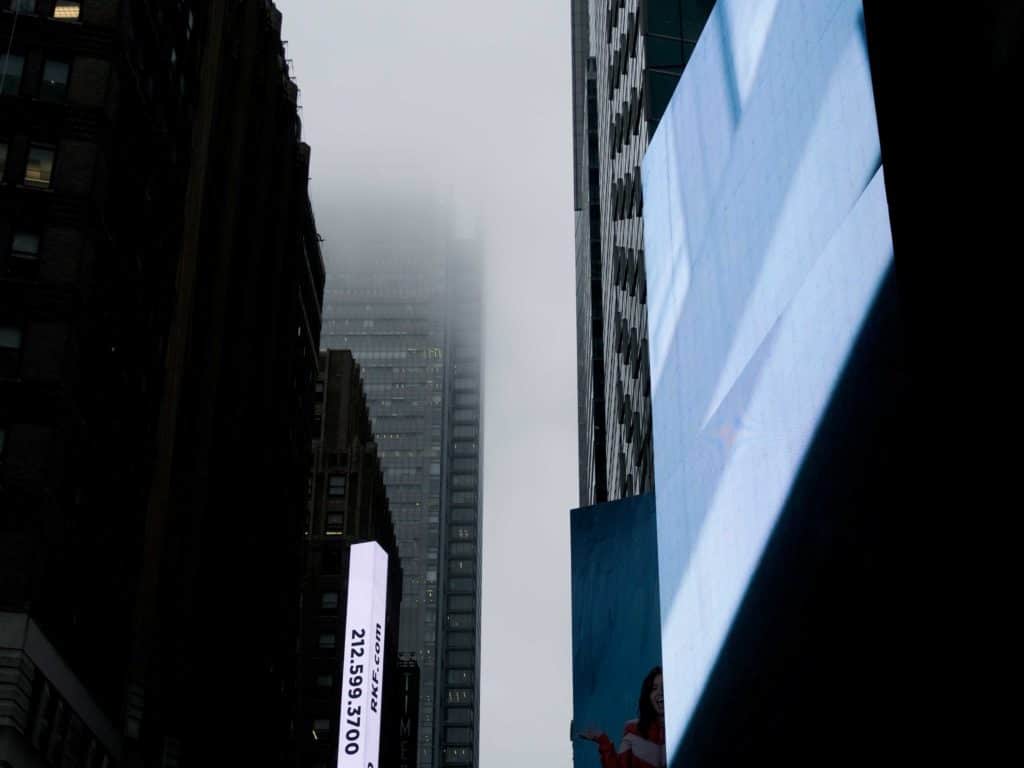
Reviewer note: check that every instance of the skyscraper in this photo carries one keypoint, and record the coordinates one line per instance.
(160, 291)
(408, 307)
(347, 505)
(627, 57)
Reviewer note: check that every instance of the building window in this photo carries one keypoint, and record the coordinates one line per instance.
(460, 677)
(336, 485)
(24, 260)
(328, 640)
(10, 337)
(54, 86)
(23, 6)
(25, 245)
(463, 532)
(329, 601)
(3, 159)
(463, 515)
(461, 567)
(460, 640)
(460, 696)
(458, 756)
(321, 728)
(460, 658)
(458, 735)
(460, 621)
(335, 523)
(459, 715)
(325, 681)
(10, 350)
(67, 10)
(11, 67)
(462, 603)
(462, 549)
(39, 169)
(3, 440)
(463, 481)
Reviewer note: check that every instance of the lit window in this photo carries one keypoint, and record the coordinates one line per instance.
(458, 755)
(335, 523)
(321, 728)
(55, 80)
(39, 169)
(67, 10)
(11, 67)
(25, 245)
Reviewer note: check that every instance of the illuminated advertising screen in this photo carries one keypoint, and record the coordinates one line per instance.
(616, 648)
(362, 666)
(767, 240)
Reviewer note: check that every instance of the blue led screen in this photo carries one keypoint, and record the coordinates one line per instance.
(766, 240)
(615, 620)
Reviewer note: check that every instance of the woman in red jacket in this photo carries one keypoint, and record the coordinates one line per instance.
(643, 739)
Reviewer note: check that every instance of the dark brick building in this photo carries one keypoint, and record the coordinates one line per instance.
(348, 503)
(160, 293)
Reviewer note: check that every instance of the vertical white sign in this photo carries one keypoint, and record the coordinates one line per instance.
(362, 666)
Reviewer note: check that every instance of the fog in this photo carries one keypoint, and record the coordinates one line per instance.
(454, 117)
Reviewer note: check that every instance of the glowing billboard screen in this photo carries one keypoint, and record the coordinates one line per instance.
(766, 241)
(362, 666)
(615, 639)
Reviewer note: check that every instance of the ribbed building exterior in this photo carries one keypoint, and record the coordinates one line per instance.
(409, 309)
(628, 55)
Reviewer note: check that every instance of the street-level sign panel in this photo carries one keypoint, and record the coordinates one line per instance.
(362, 666)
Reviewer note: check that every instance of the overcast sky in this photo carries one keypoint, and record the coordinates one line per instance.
(468, 103)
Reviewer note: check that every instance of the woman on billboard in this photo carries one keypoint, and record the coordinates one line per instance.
(643, 739)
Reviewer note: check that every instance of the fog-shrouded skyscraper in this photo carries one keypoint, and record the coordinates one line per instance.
(627, 58)
(408, 306)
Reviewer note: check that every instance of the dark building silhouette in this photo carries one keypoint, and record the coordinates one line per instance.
(628, 56)
(347, 504)
(160, 292)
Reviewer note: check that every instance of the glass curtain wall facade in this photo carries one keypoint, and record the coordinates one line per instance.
(459, 670)
(409, 311)
(638, 49)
